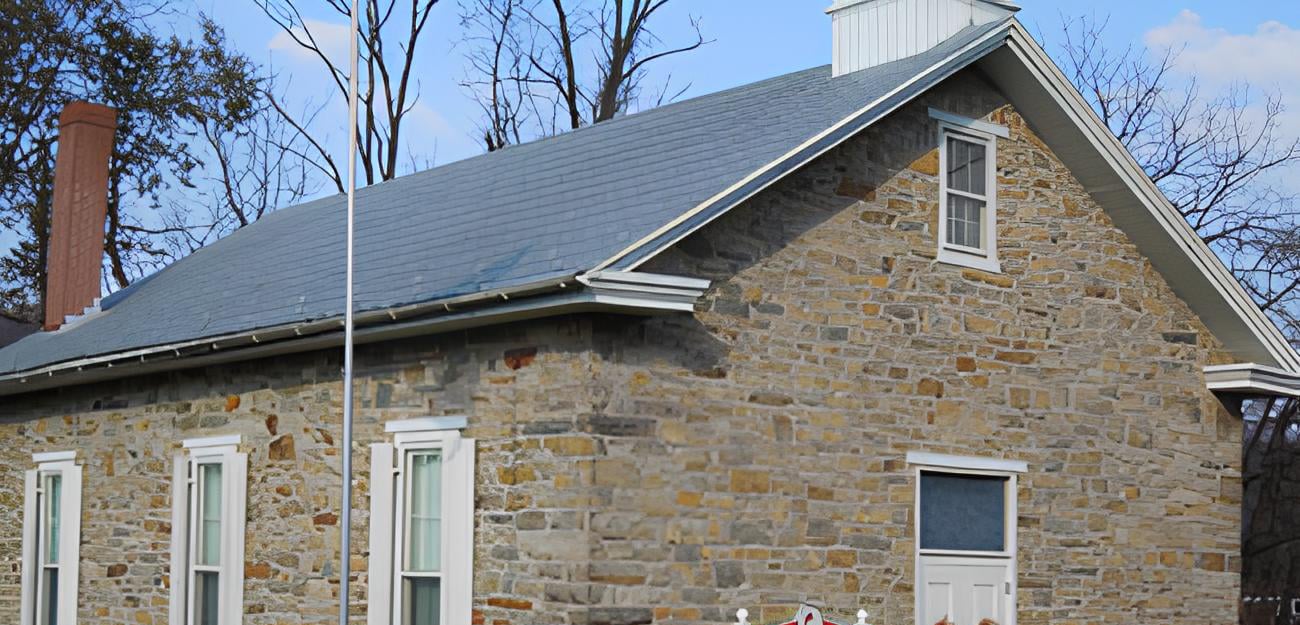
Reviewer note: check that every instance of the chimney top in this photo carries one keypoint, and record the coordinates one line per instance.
(868, 33)
(78, 112)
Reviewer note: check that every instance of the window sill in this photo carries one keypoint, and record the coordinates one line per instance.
(982, 263)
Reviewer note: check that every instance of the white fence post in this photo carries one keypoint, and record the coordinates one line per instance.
(742, 617)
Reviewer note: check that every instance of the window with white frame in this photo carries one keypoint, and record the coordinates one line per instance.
(968, 191)
(965, 538)
(209, 492)
(51, 540)
(422, 524)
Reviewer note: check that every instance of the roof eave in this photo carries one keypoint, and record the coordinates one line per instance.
(625, 293)
(1252, 380)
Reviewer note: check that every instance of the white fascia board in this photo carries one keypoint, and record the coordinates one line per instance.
(966, 463)
(1141, 185)
(1252, 379)
(618, 292)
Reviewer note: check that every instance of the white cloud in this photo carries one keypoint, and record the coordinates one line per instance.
(330, 37)
(1268, 57)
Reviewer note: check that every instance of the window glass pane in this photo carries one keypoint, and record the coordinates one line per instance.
(425, 513)
(207, 592)
(421, 598)
(210, 514)
(963, 512)
(53, 516)
(965, 221)
(49, 603)
(966, 166)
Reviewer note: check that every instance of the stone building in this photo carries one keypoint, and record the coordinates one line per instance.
(911, 333)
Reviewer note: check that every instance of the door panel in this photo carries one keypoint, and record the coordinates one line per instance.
(964, 590)
(938, 600)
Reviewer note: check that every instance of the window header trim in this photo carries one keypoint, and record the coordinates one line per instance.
(51, 457)
(230, 440)
(968, 123)
(965, 463)
(426, 424)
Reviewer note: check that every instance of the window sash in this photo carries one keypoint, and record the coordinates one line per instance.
(972, 147)
(430, 517)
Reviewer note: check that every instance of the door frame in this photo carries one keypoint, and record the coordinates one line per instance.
(922, 462)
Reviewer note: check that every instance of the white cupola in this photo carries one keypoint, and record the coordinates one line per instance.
(868, 33)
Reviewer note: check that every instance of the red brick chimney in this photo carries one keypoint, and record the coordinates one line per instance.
(76, 254)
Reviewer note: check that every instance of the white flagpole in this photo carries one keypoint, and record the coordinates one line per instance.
(345, 567)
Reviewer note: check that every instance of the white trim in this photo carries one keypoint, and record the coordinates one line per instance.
(213, 441)
(426, 424)
(27, 609)
(54, 456)
(1250, 378)
(986, 258)
(970, 463)
(382, 482)
(997, 130)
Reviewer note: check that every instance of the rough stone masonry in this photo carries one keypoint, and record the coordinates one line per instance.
(671, 470)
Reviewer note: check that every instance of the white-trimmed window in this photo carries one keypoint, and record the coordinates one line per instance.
(968, 191)
(422, 524)
(209, 492)
(965, 529)
(51, 540)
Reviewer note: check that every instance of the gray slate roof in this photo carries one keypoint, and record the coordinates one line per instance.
(549, 209)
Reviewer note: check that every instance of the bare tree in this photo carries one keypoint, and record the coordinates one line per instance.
(1219, 160)
(390, 36)
(498, 68)
(107, 51)
(529, 70)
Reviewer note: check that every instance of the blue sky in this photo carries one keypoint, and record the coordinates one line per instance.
(753, 39)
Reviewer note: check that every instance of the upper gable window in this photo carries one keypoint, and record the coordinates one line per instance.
(968, 191)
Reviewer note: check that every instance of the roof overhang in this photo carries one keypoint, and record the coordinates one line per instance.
(1024, 72)
(1252, 379)
(614, 292)
(1061, 116)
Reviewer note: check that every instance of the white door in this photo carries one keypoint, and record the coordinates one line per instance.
(966, 591)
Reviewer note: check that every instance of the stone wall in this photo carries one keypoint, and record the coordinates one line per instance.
(671, 470)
